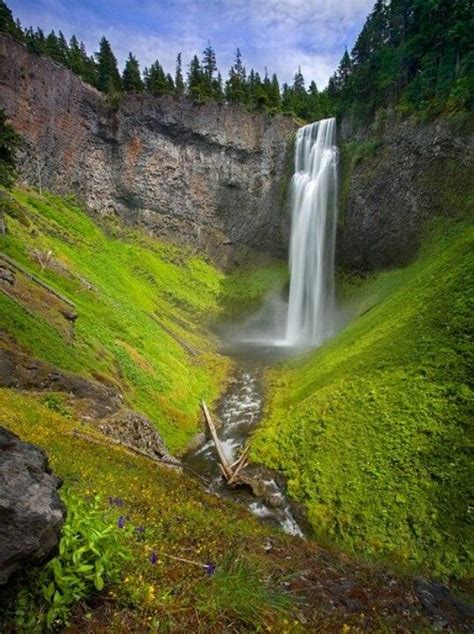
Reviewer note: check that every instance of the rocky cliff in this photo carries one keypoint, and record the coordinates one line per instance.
(395, 178)
(213, 176)
(205, 174)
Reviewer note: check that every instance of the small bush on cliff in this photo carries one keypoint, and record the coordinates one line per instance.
(8, 145)
(90, 555)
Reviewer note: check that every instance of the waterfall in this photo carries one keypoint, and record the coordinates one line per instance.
(313, 229)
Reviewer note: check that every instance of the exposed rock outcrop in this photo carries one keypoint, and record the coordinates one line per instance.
(207, 175)
(31, 512)
(19, 370)
(397, 179)
(134, 429)
(91, 401)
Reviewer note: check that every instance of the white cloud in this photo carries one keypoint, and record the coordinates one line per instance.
(279, 34)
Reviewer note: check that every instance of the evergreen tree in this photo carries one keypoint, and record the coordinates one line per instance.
(179, 81)
(235, 89)
(35, 40)
(209, 63)
(217, 89)
(156, 81)
(196, 80)
(275, 97)
(169, 84)
(7, 23)
(131, 78)
(75, 61)
(108, 76)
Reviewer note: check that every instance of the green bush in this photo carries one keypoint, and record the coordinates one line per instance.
(90, 555)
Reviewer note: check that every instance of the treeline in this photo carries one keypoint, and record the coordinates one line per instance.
(411, 55)
(201, 82)
(415, 55)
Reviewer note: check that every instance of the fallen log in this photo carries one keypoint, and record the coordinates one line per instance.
(226, 468)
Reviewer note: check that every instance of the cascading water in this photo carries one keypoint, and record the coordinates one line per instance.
(313, 230)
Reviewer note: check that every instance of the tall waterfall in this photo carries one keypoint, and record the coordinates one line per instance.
(313, 229)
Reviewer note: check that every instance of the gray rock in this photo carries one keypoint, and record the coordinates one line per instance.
(136, 430)
(410, 174)
(20, 371)
(201, 174)
(31, 512)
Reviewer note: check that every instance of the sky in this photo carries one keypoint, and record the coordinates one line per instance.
(278, 34)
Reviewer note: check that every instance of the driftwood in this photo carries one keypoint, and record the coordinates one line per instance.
(230, 472)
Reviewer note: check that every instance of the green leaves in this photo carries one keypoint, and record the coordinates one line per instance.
(90, 555)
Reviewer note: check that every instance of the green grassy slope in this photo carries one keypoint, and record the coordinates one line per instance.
(372, 430)
(142, 308)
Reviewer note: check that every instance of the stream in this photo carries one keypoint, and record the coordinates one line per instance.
(239, 412)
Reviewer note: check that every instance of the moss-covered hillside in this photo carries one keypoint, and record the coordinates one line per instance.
(195, 562)
(373, 430)
(142, 306)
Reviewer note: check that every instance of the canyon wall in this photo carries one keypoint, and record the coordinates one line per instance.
(216, 176)
(395, 178)
(204, 174)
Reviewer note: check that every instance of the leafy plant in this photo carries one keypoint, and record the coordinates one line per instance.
(56, 403)
(91, 554)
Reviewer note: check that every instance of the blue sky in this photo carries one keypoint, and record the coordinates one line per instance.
(279, 34)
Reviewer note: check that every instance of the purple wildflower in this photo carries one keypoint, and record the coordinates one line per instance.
(210, 568)
(153, 558)
(115, 501)
(121, 521)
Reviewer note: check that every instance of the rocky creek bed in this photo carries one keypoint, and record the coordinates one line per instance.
(238, 413)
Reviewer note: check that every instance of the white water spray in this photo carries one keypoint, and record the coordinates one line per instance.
(313, 233)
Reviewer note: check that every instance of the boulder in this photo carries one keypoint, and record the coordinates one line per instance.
(136, 430)
(31, 512)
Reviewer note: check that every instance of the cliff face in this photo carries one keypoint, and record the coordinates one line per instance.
(208, 175)
(394, 181)
(212, 175)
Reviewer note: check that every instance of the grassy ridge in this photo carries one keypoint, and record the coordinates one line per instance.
(372, 429)
(142, 308)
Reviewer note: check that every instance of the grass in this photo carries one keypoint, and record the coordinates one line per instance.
(142, 305)
(177, 517)
(372, 430)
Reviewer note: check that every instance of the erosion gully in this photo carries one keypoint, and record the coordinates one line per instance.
(239, 412)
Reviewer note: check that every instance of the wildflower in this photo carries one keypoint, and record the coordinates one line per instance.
(140, 532)
(210, 568)
(121, 521)
(153, 558)
(116, 501)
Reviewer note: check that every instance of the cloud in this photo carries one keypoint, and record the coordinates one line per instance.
(278, 34)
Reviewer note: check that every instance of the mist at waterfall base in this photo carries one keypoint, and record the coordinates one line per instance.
(305, 315)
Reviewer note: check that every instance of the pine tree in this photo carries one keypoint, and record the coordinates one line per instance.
(108, 77)
(89, 72)
(179, 81)
(157, 82)
(131, 78)
(7, 23)
(56, 48)
(195, 80)
(209, 64)
(217, 89)
(236, 84)
(35, 40)
(275, 96)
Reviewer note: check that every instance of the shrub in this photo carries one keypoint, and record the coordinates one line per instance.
(90, 555)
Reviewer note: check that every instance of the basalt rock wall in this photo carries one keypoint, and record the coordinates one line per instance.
(395, 179)
(204, 174)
